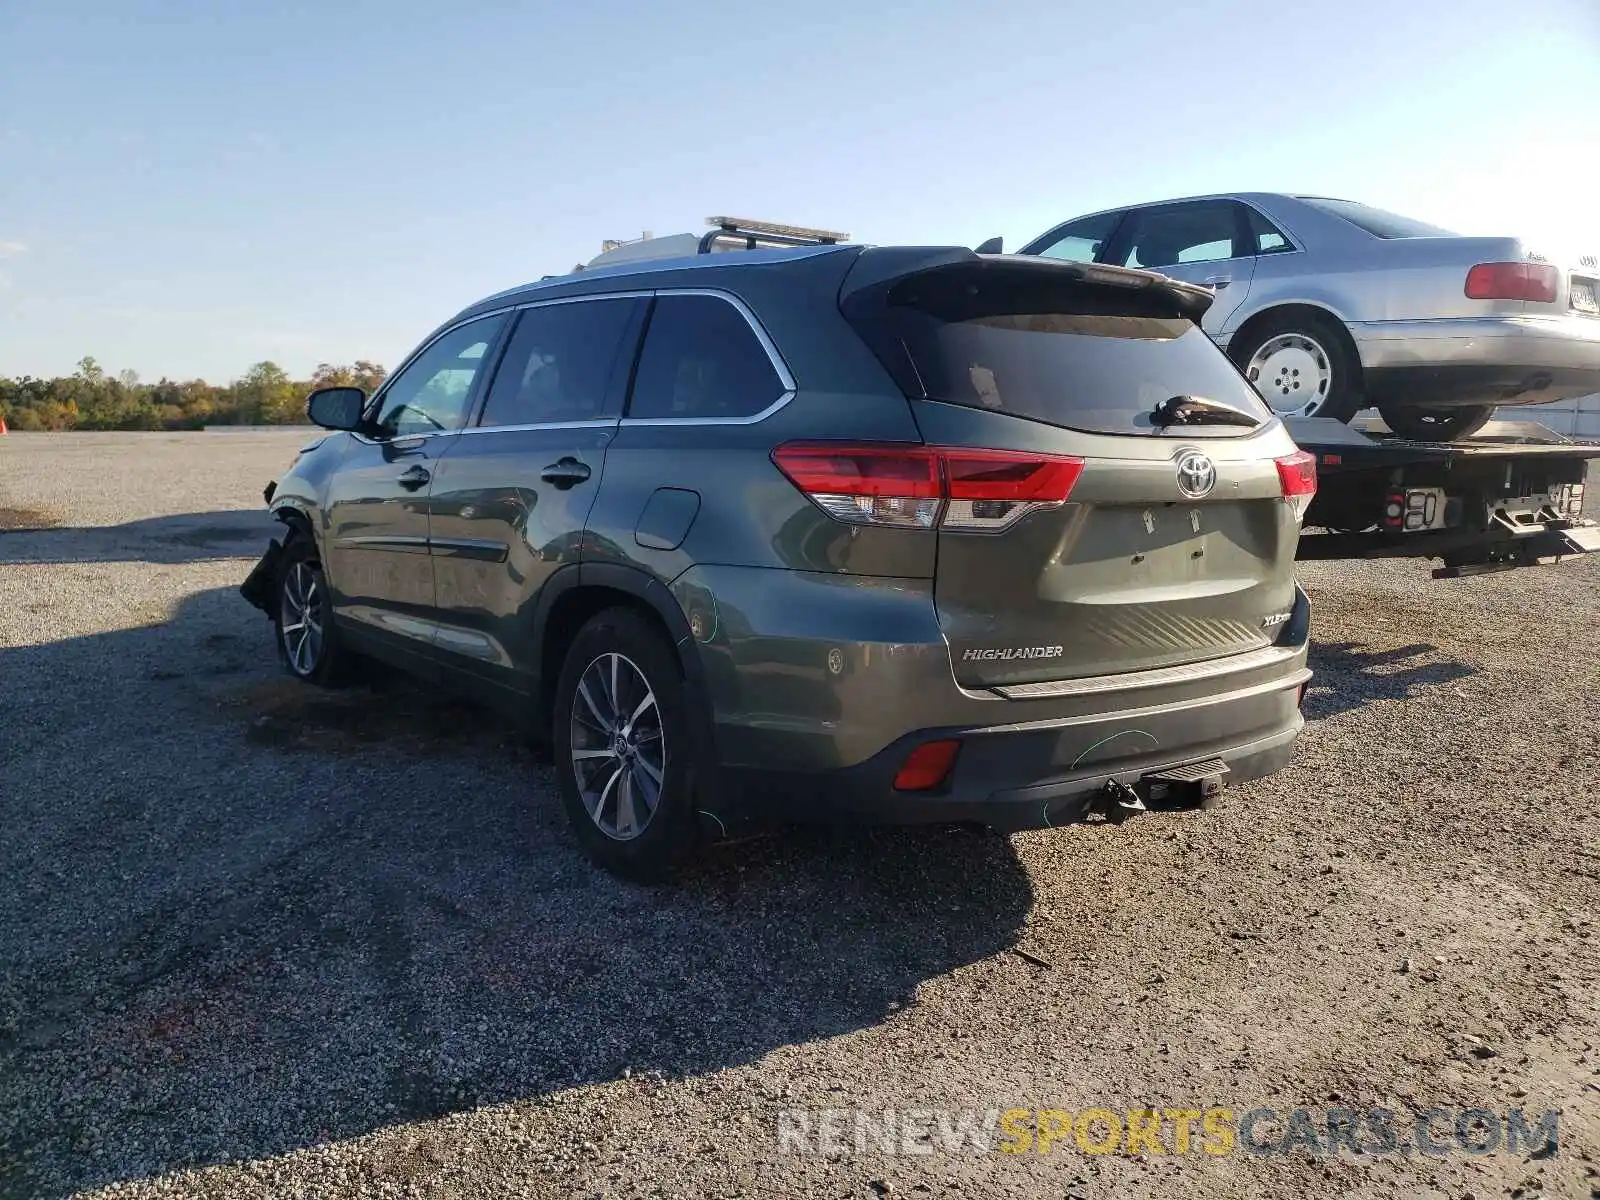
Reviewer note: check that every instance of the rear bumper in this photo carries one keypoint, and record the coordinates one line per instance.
(818, 690)
(1480, 360)
(1034, 776)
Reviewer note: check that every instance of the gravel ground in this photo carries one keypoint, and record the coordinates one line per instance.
(256, 940)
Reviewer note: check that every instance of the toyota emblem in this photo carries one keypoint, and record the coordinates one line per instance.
(1197, 475)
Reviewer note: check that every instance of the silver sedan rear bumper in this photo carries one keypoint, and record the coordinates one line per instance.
(1480, 360)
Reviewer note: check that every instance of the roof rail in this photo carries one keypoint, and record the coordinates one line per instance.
(765, 233)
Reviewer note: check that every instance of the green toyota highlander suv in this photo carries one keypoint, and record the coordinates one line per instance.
(822, 532)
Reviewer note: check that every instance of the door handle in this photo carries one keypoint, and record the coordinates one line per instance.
(1219, 281)
(414, 478)
(569, 472)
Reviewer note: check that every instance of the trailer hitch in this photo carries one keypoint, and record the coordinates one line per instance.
(1117, 801)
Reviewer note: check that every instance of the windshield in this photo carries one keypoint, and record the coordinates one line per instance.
(1092, 358)
(1376, 221)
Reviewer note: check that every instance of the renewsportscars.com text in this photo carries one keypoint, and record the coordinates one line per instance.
(1323, 1132)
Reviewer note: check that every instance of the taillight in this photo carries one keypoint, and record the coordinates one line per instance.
(927, 766)
(924, 486)
(1513, 281)
(1297, 475)
(868, 485)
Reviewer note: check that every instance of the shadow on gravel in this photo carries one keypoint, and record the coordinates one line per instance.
(39, 537)
(238, 918)
(1349, 675)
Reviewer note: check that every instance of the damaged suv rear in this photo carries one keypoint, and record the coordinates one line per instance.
(890, 534)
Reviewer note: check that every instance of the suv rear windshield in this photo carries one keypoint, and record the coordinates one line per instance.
(1379, 224)
(1080, 355)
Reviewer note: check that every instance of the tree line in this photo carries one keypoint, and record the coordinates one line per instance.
(89, 398)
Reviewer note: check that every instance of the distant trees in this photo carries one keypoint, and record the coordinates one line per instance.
(91, 399)
(364, 375)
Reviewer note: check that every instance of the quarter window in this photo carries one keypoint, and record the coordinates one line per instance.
(1265, 235)
(1081, 241)
(1189, 233)
(431, 394)
(701, 359)
(559, 363)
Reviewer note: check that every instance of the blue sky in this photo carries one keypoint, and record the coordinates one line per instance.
(188, 187)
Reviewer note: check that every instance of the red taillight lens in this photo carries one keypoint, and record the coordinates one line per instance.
(992, 489)
(1297, 475)
(926, 767)
(1004, 475)
(861, 470)
(1513, 281)
(867, 485)
(920, 486)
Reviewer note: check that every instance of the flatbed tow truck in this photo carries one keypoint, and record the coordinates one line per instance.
(1510, 497)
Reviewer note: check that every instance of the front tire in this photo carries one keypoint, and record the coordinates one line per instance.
(1302, 365)
(621, 746)
(302, 618)
(1435, 424)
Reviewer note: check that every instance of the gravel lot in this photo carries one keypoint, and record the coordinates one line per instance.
(256, 940)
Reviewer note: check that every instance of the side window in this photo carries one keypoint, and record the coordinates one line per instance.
(431, 393)
(1082, 240)
(558, 363)
(1187, 233)
(701, 359)
(1264, 234)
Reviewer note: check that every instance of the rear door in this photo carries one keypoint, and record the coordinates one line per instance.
(511, 497)
(1174, 544)
(1207, 242)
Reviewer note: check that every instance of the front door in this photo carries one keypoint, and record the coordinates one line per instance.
(511, 498)
(1199, 241)
(376, 540)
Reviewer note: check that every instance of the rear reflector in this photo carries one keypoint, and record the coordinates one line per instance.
(927, 766)
(1513, 281)
(923, 486)
(1297, 474)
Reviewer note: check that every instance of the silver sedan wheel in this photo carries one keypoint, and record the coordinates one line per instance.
(1293, 374)
(300, 618)
(619, 750)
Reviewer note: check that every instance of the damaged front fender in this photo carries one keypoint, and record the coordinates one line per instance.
(259, 586)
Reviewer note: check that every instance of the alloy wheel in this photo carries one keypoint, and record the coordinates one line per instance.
(1293, 374)
(301, 617)
(619, 751)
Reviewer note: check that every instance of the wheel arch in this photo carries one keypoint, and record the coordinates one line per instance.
(295, 519)
(1239, 345)
(1286, 310)
(580, 591)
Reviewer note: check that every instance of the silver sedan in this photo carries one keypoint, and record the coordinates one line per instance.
(1329, 305)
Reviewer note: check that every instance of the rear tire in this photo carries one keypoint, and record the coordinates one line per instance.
(1435, 424)
(302, 618)
(1302, 365)
(620, 731)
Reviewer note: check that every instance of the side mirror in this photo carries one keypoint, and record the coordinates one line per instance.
(337, 407)
(993, 246)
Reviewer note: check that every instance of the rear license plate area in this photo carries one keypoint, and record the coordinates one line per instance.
(1583, 297)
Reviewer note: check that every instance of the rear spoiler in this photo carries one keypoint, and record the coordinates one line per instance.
(878, 268)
